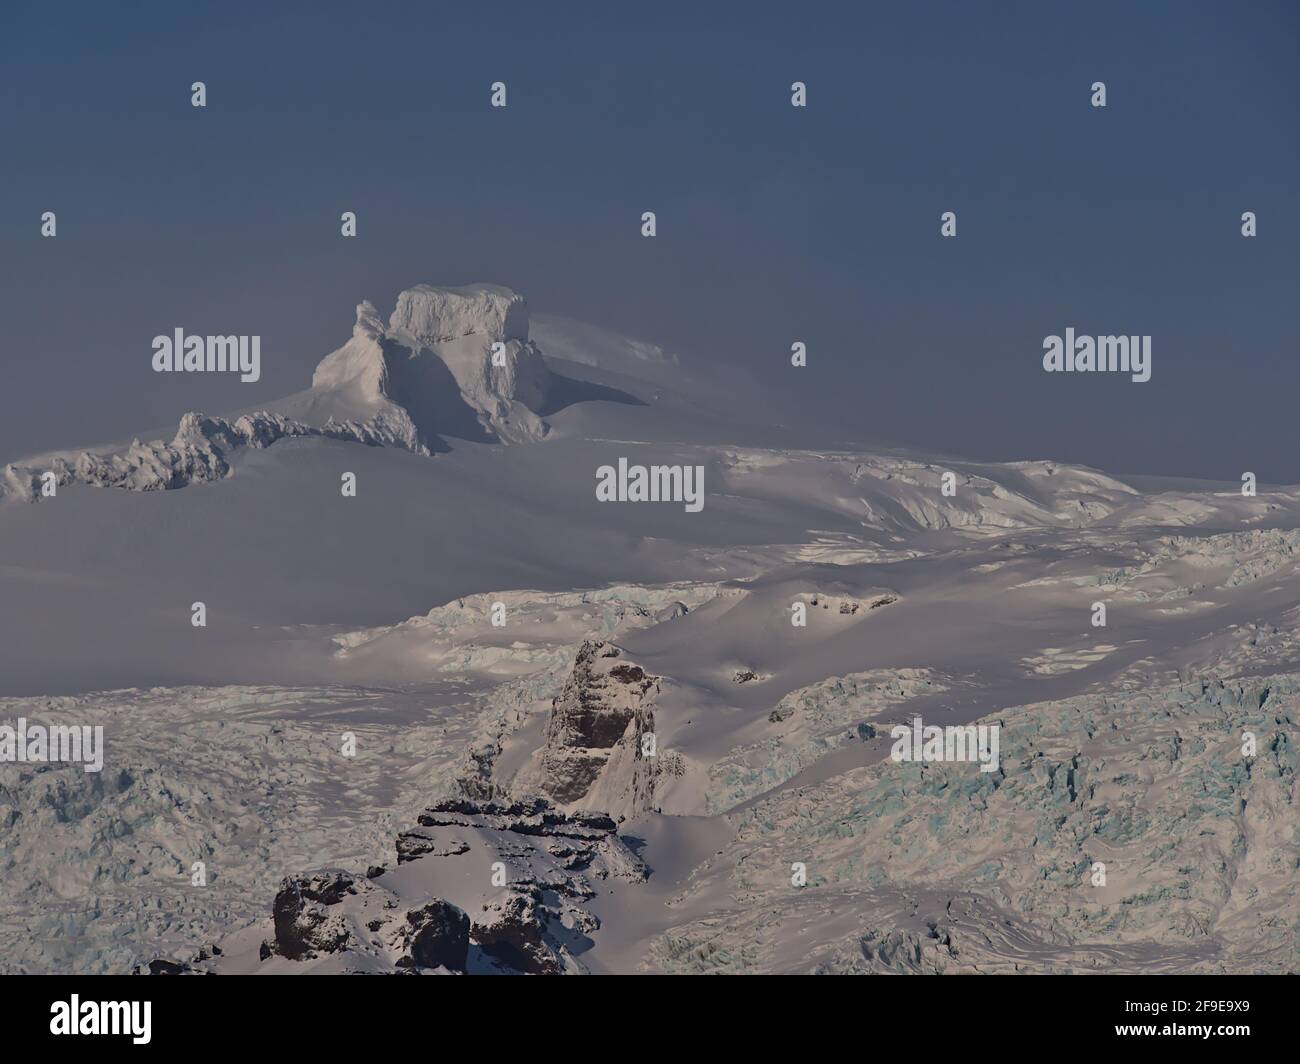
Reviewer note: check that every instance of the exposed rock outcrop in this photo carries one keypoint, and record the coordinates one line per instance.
(490, 887)
(535, 921)
(600, 747)
(586, 842)
(306, 914)
(439, 936)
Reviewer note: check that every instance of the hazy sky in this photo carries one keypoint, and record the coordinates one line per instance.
(775, 224)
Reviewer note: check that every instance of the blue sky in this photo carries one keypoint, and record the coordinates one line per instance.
(775, 224)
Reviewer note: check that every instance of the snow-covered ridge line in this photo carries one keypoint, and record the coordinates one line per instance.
(200, 451)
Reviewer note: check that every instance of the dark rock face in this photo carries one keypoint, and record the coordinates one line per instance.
(589, 834)
(596, 729)
(514, 934)
(303, 926)
(439, 936)
(412, 845)
(594, 708)
(164, 967)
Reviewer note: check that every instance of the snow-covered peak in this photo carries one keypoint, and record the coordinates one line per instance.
(359, 364)
(426, 315)
(433, 364)
(369, 326)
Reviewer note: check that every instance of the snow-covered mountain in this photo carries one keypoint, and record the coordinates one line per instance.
(449, 360)
(434, 367)
(587, 736)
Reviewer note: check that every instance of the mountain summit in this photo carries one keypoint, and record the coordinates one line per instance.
(449, 360)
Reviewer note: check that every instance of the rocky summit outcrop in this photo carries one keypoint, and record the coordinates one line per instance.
(439, 936)
(600, 747)
(533, 919)
(307, 916)
(334, 912)
(479, 888)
